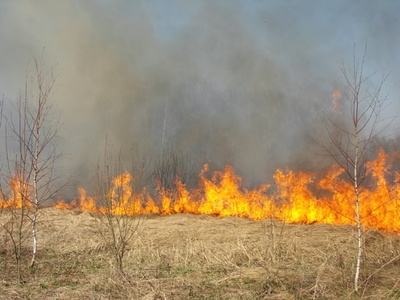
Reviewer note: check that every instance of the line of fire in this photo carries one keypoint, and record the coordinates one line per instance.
(296, 197)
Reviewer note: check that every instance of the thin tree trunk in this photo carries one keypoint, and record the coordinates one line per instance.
(34, 241)
(164, 126)
(18, 250)
(35, 209)
(357, 212)
(35, 161)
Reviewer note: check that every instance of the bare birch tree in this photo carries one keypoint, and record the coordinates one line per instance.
(351, 133)
(31, 155)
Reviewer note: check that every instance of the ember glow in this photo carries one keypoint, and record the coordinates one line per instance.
(336, 95)
(294, 197)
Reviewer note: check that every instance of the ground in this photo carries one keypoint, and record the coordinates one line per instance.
(202, 257)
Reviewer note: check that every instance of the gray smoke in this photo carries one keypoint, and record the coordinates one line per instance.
(237, 82)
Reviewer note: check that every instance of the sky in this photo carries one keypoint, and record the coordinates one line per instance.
(224, 82)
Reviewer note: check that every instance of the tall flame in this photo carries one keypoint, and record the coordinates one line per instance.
(20, 194)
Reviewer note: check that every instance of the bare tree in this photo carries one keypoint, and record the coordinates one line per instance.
(116, 207)
(349, 137)
(31, 155)
(170, 166)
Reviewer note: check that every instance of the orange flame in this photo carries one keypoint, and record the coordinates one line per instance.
(295, 197)
(20, 194)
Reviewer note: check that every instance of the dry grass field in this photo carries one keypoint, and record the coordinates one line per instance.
(202, 257)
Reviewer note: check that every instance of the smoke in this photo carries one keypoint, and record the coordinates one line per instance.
(222, 81)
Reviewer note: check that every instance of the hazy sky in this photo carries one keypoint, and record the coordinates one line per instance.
(227, 81)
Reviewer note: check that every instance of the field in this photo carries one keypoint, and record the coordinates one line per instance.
(185, 256)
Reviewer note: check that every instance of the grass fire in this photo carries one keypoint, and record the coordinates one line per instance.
(159, 150)
(295, 197)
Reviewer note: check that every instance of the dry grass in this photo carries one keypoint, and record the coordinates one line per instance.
(204, 257)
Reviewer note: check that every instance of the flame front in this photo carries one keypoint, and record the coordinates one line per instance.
(297, 197)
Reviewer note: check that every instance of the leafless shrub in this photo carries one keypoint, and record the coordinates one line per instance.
(116, 215)
(170, 166)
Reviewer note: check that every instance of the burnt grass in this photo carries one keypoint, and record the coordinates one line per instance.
(201, 257)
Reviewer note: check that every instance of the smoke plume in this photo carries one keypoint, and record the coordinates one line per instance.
(220, 81)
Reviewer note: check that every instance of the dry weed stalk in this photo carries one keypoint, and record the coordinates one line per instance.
(274, 239)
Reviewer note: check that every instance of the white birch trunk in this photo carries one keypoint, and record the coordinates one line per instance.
(358, 217)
